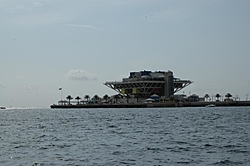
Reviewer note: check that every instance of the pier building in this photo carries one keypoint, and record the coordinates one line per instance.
(143, 84)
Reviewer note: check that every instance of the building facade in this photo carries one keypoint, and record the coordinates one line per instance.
(145, 83)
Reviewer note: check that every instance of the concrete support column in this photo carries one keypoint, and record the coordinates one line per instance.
(169, 84)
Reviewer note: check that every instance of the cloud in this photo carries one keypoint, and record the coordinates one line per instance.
(20, 7)
(37, 4)
(32, 13)
(80, 75)
(82, 26)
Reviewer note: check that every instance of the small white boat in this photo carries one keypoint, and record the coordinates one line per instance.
(210, 105)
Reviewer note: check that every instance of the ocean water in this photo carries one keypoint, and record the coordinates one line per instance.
(138, 136)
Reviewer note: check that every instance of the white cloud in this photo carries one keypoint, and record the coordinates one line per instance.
(37, 4)
(80, 75)
(32, 13)
(20, 7)
(82, 26)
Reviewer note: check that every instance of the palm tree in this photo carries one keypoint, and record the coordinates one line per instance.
(78, 98)
(217, 96)
(69, 98)
(96, 98)
(106, 97)
(206, 96)
(228, 95)
(86, 97)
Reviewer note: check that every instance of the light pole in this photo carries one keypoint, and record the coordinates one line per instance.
(60, 89)
(247, 96)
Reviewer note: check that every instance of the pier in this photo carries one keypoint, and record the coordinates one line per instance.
(156, 104)
(147, 89)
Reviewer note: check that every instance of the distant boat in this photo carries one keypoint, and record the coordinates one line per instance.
(2, 108)
(210, 105)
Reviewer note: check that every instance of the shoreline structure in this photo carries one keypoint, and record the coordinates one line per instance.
(158, 104)
(153, 89)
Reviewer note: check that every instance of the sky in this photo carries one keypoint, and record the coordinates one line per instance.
(77, 45)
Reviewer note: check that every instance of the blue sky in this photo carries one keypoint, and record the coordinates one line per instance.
(80, 44)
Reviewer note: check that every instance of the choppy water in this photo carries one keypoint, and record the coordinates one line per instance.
(155, 136)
